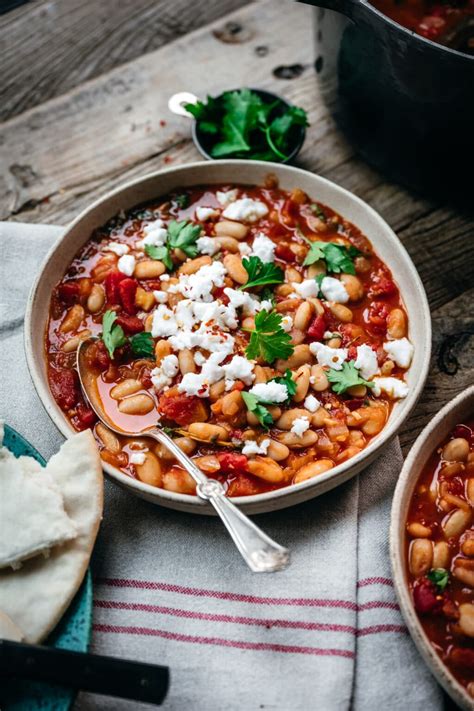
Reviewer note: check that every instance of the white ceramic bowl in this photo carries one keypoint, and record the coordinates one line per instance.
(385, 242)
(452, 414)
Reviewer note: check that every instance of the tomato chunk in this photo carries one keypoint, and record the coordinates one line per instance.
(130, 324)
(180, 408)
(244, 485)
(376, 317)
(232, 462)
(426, 598)
(127, 290)
(64, 386)
(97, 356)
(111, 283)
(85, 415)
(69, 292)
(317, 328)
(283, 252)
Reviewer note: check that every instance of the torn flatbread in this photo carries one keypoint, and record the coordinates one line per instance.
(36, 596)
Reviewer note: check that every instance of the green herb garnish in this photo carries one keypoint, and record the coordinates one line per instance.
(287, 381)
(260, 411)
(181, 235)
(269, 340)
(338, 258)
(243, 125)
(318, 212)
(261, 273)
(112, 334)
(182, 201)
(348, 377)
(440, 577)
(142, 344)
(162, 253)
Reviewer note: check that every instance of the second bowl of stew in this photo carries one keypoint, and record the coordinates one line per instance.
(269, 320)
(432, 546)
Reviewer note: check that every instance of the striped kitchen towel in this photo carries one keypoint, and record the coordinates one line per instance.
(170, 588)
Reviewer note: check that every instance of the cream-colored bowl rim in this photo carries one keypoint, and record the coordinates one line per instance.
(254, 172)
(438, 428)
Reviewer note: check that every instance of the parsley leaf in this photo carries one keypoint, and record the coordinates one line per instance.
(440, 577)
(267, 295)
(338, 257)
(269, 340)
(318, 212)
(319, 280)
(112, 335)
(161, 253)
(342, 380)
(183, 235)
(182, 201)
(261, 273)
(243, 125)
(287, 381)
(142, 345)
(260, 412)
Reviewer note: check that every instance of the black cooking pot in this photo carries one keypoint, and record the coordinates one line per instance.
(406, 103)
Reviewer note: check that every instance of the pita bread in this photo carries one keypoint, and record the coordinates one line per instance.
(36, 596)
(31, 511)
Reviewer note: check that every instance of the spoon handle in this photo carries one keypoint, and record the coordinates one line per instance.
(259, 551)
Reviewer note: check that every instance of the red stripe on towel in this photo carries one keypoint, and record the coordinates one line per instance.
(374, 581)
(221, 642)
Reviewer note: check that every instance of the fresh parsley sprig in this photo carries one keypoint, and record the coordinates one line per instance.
(113, 335)
(347, 377)
(440, 577)
(241, 124)
(338, 257)
(261, 273)
(268, 339)
(180, 235)
(142, 345)
(259, 410)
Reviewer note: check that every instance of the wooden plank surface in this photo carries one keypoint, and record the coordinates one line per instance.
(50, 46)
(59, 156)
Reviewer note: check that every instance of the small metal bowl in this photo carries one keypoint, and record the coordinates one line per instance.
(203, 141)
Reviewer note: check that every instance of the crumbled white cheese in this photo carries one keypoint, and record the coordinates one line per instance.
(155, 235)
(300, 425)
(264, 248)
(332, 357)
(165, 277)
(126, 264)
(198, 383)
(160, 296)
(137, 458)
(287, 323)
(207, 245)
(206, 213)
(245, 210)
(198, 286)
(245, 249)
(240, 368)
(164, 322)
(253, 447)
(366, 361)
(225, 197)
(400, 351)
(306, 288)
(311, 403)
(117, 248)
(334, 290)
(199, 359)
(393, 387)
(163, 375)
(265, 304)
(270, 392)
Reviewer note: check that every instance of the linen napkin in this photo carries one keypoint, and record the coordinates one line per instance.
(170, 587)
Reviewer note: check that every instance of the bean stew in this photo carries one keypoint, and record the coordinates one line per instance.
(440, 552)
(256, 325)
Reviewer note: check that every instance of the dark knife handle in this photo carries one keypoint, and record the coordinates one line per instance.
(87, 672)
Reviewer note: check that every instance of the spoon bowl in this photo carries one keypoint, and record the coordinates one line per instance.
(260, 552)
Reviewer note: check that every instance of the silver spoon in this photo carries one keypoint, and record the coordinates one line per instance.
(261, 554)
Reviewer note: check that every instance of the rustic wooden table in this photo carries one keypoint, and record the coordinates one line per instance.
(84, 103)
